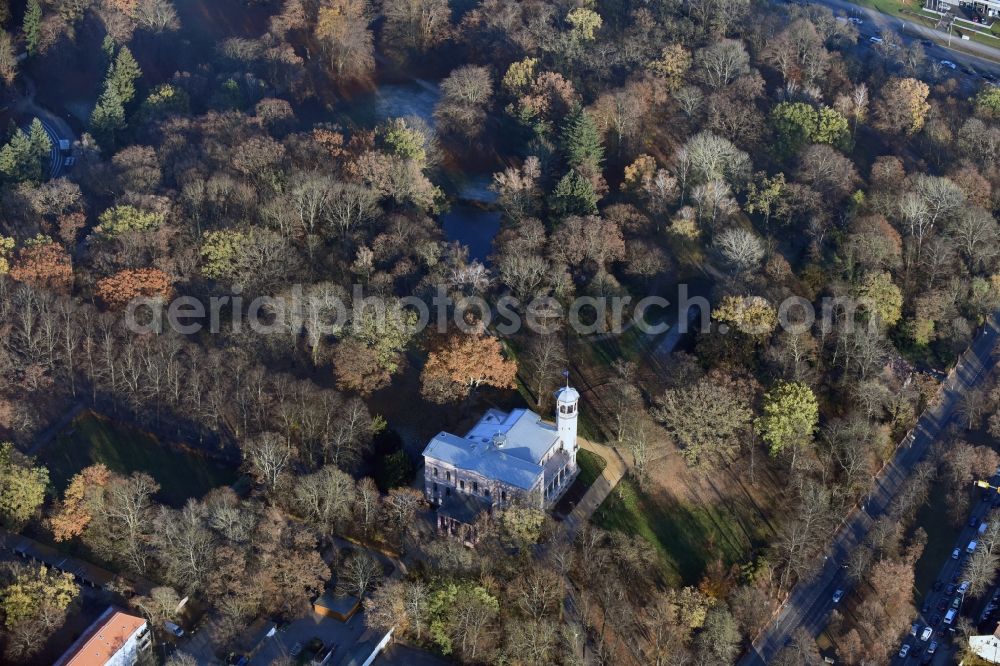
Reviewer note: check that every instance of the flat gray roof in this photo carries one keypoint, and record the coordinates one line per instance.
(524, 440)
(527, 437)
(483, 458)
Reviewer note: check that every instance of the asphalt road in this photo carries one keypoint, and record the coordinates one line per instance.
(810, 603)
(967, 53)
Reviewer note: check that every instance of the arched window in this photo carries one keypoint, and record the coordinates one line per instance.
(461, 484)
(447, 476)
(475, 486)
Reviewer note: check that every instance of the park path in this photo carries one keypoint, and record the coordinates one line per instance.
(616, 467)
(55, 428)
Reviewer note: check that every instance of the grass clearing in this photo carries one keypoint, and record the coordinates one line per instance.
(93, 438)
(591, 466)
(688, 537)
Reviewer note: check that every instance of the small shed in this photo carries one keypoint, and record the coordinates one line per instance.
(338, 606)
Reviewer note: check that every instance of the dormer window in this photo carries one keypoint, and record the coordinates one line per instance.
(475, 486)
(435, 471)
(447, 476)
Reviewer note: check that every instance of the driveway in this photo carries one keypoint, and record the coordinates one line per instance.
(55, 126)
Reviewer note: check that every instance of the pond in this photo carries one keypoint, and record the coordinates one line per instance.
(470, 219)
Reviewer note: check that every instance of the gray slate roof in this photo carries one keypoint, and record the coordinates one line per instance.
(483, 458)
(527, 437)
(524, 440)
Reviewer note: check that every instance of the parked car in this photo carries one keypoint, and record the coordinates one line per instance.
(876, 40)
(855, 20)
(935, 620)
(956, 602)
(955, 554)
(947, 63)
(942, 605)
(837, 596)
(949, 590)
(173, 628)
(949, 617)
(926, 608)
(296, 650)
(964, 587)
(973, 521)
(932, 648)
(926, 634)
(983, 527)
(903, 651)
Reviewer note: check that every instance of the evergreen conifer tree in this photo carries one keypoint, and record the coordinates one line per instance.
(582, 142)
(32, 26)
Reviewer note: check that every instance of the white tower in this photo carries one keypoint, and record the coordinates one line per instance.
(567, 411)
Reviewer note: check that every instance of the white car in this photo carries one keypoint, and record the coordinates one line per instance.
(927, 633)
(877, 40)
(955, 554)
(947, 63)
(837, 596)
(905, 650)
(964, 587)
(855, 20)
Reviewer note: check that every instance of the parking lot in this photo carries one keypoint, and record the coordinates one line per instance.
(300, 632)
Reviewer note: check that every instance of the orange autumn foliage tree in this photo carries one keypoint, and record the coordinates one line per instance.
(45, 264)
(71, 516)
(124, 286)
(462, 363)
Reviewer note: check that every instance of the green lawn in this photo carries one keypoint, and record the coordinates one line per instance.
(688, 538)
(92, 438)
(591, 466)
